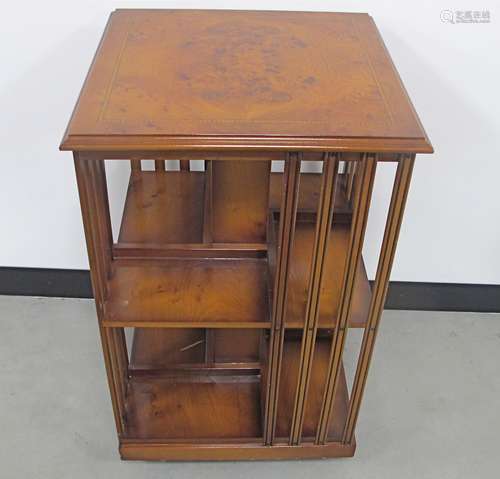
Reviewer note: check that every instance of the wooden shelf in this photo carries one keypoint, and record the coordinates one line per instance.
(203, 408)
(188, 293)
(168, 352)
(166, 207)
(221, 406)
(163, 207)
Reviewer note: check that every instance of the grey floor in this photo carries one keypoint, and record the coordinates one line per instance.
(431, 407)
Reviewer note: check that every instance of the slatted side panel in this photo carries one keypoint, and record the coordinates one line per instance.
(379, 290)
(239, 201)
(288, 214)
(364, 178)
(351, 163)
(322, 234)
(92, 189)
(135, 165)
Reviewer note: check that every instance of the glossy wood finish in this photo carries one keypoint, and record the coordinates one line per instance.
(284, 241)
(164, 207)
(188, 292)
(170, 208)
(167, 351)
(387, 252)
(290, 375)
(310, 187)
(365, 179)
(331, 288)
(314, 289)
(241, 284)
(239, 201)
(209, 451)
(236, 79)
(223, 407)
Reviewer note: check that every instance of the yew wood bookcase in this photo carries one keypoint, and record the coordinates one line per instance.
(239, 281)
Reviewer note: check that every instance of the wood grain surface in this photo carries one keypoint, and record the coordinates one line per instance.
(181, 79)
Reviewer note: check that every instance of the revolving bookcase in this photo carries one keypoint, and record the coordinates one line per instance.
(225, 298)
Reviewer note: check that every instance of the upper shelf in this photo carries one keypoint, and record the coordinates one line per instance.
(167, 207)
(202, 80)
(164, 207)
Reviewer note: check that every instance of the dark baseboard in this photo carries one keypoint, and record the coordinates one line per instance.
(481, 298)
(60, 283)
(70, 283)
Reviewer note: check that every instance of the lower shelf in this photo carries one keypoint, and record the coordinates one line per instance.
(208, 407)
(215, 407)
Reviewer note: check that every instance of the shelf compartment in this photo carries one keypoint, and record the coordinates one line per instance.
(188, 293)
(333, 275)
(309, 191)
(168, 352)
(156, 350)
(201, 408)
(164, 207)
(167, 207)
(288, 383)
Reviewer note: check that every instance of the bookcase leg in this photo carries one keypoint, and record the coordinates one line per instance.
(379, 291)
(288, 215)
(92, 190)
(322, 234)
(365, 175)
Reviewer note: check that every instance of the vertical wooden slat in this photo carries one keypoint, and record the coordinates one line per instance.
(288, 215)
(86, 173)
(362, 190)
(135, 165)
(322, 234)
(207, 205)
(184, 165)
(121, 346)
(120, 372)
(351, 173)
(379, 291)
(207, 239)
(116, 339)
(209, 347)
(159, 165)
(99, 195)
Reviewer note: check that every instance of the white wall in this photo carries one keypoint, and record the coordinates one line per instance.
(452, 72)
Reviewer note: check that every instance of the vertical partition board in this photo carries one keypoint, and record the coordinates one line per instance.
(237, 345)
(240, 193)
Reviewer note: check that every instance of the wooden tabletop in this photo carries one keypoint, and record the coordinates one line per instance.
(208, 79)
